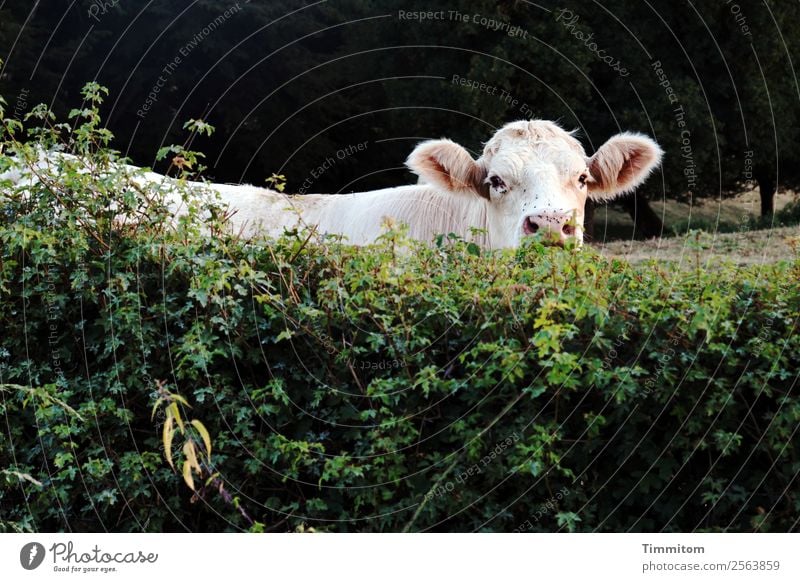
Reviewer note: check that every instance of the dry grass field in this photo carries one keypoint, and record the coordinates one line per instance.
(613, 223)
(727, 233)
(745, 248)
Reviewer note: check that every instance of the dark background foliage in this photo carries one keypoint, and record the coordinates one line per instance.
(288, 84)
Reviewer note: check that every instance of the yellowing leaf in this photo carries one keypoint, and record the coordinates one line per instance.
(169, 432)
(187, 475)
(155, 407)
(181, 399)
(191, 455)
(204, 435)
(173, 410)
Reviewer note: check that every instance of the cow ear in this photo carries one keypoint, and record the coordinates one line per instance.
(448, 166)
(621, 164)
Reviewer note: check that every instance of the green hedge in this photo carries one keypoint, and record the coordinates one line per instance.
(389, 388)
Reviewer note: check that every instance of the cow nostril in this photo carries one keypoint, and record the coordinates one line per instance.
(568, 229)
(530, 227)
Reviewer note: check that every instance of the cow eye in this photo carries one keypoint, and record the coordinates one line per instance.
(583, 179)
(497, 183)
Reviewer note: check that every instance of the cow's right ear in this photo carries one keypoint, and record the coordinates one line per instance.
(621, 164)
(448, 166)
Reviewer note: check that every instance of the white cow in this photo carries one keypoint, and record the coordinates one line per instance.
(533, 176)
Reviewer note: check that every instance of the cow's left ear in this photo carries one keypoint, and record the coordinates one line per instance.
(621, 164)
(447, 165)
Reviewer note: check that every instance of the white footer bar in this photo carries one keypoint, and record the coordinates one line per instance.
(388, 557)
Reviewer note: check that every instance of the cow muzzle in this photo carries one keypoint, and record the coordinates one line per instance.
(556, 226)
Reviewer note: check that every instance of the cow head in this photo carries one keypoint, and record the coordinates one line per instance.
(536, 177)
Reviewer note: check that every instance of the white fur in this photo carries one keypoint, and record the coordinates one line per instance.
(539, 163)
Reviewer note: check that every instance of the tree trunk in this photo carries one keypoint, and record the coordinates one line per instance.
(766, 190)
(646, 222)
(588, 221)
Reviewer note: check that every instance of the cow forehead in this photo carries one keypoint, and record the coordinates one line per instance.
(534, 134)
(522, 147)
